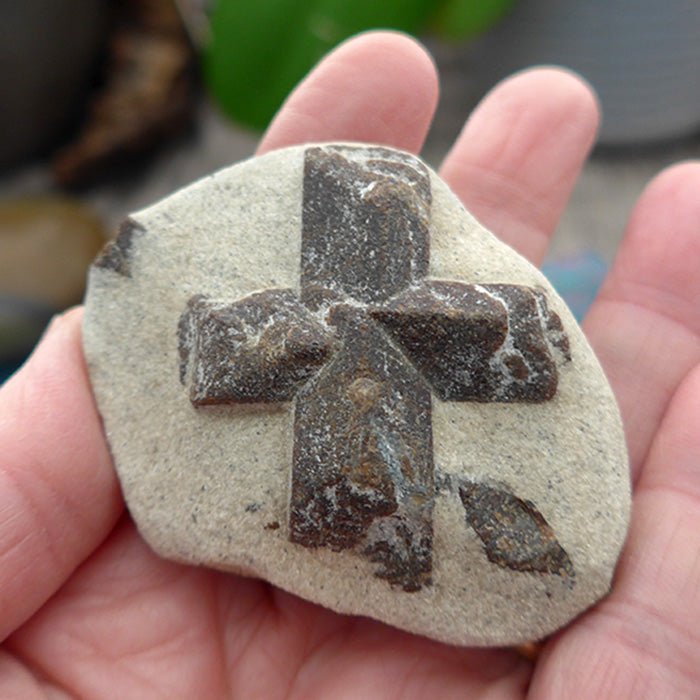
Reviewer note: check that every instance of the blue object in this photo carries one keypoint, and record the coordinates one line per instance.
(577, 280)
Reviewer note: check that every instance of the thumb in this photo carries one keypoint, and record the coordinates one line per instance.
(59, 496)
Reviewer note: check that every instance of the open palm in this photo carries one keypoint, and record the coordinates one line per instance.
(88, 611)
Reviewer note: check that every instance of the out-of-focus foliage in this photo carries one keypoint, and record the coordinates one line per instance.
(260, 49)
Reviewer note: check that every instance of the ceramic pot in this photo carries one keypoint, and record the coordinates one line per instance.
(48, 55)
(641, 56)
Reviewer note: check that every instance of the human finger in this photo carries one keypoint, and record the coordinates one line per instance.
(645, 322)
(517, 159)
(59, 497)
(379, 87)
(642, 641)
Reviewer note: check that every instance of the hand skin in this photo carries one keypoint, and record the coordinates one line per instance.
(87, 611)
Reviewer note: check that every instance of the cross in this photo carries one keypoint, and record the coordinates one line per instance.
(360, 349)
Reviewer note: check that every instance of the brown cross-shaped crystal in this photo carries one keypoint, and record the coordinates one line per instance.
(360, 349)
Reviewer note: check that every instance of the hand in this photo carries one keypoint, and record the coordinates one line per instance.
(88, 611)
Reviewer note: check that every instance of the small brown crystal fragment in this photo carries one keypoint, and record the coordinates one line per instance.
(554, 328)
(116, 255)
(515, 534)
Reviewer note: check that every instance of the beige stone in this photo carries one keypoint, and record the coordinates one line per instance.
(210, 485)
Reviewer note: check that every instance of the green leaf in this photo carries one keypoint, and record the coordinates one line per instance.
(260, 49)
(459, 20)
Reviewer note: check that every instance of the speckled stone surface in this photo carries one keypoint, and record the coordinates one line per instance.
(500, 515)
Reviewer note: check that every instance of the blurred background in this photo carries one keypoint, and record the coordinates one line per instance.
(109, 105)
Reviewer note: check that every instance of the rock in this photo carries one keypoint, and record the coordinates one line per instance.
(315, 367)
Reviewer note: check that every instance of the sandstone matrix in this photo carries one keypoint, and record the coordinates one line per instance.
(506, 514)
